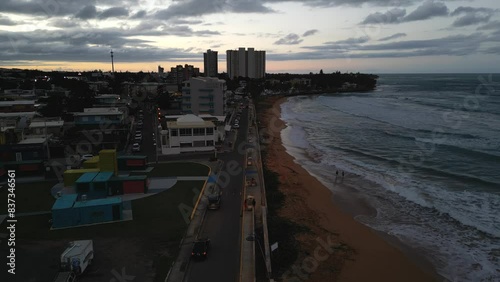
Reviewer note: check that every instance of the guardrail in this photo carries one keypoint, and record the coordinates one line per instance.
(267, 250)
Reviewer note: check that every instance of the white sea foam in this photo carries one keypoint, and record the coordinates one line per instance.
(456, 228)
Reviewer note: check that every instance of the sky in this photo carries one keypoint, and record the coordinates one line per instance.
(299, 36)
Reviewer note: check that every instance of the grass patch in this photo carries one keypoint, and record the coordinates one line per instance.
(177, 169)
(157, 218)
(30, 197)
(157, 214)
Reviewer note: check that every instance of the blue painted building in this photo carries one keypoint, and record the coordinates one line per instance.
(83, 185)
(63, 214)
(99, 186)
(99, 210)
(67, 211)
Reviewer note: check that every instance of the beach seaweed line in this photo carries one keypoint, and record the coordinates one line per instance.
(307, 252)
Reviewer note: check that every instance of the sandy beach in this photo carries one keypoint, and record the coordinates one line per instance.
(360, 254)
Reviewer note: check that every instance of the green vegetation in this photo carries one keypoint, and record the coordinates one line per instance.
(177, 169)
(30, 197)
(280, 229)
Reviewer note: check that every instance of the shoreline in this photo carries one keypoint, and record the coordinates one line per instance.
(309, 202)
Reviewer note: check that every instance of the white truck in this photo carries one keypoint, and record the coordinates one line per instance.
(77, 257)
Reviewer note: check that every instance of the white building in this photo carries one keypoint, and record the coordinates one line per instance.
(204, 95)
(246, 63)
(189, 133)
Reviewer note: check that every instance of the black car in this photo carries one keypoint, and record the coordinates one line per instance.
(200, 249)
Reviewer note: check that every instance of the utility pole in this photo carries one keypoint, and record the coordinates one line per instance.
(112, 63)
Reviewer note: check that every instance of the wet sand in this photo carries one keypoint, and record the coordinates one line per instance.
(360, 253)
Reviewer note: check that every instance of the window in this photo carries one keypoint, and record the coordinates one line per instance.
(185, 132)
(174, 132)
(198, 131)
(85, 118)
(199, 144)
(184, 145)
(210, 143)
(187, 99)
(210, 130)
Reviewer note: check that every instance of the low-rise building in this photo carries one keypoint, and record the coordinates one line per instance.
(96, 117)
(17, 106)
(188, 133)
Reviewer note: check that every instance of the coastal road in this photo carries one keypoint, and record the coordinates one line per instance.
(223, 226)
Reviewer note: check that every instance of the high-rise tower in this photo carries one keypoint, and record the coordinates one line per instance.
(210, 62)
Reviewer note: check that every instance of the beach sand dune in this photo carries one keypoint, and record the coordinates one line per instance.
(358, 253)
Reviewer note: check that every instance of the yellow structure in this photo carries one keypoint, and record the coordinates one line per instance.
(107, 161)
(71, 175)
(92, 163)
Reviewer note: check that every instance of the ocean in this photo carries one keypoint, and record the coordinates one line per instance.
(422, 152)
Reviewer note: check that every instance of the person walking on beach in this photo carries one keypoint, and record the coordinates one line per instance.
(336, 173)
(342, 174)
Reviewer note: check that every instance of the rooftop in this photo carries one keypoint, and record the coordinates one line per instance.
(65, 201)
(17, 102)
(37, 140)
(57, 123)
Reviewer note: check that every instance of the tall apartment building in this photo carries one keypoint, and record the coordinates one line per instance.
(181, 73)
(204, 95)
(246, 63)
(210, 62)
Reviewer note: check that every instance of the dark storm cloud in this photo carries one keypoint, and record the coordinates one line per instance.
(88, 12)
(427, 10)
(394, 36)
(310, 32)
(491, 25)
(113, 12)
(290, 39)
(139, 15)
(206, 7)
(7, 21)
(349, 41)
(76, 46)
(472, 16)
(459, 45)
(356, 3)
(391, 16)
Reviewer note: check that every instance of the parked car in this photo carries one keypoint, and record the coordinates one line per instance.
(236, 125)
(200, 249)
(136, 147)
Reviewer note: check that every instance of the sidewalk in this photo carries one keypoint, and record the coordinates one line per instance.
(247, 259)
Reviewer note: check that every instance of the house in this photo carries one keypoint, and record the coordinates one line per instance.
(17, 106)
(96, 117)
(188, 133)
(47, 128)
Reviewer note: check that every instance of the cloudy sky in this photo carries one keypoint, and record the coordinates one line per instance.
(377, 36)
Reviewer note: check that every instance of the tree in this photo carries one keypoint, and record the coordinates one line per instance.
(54, 106)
